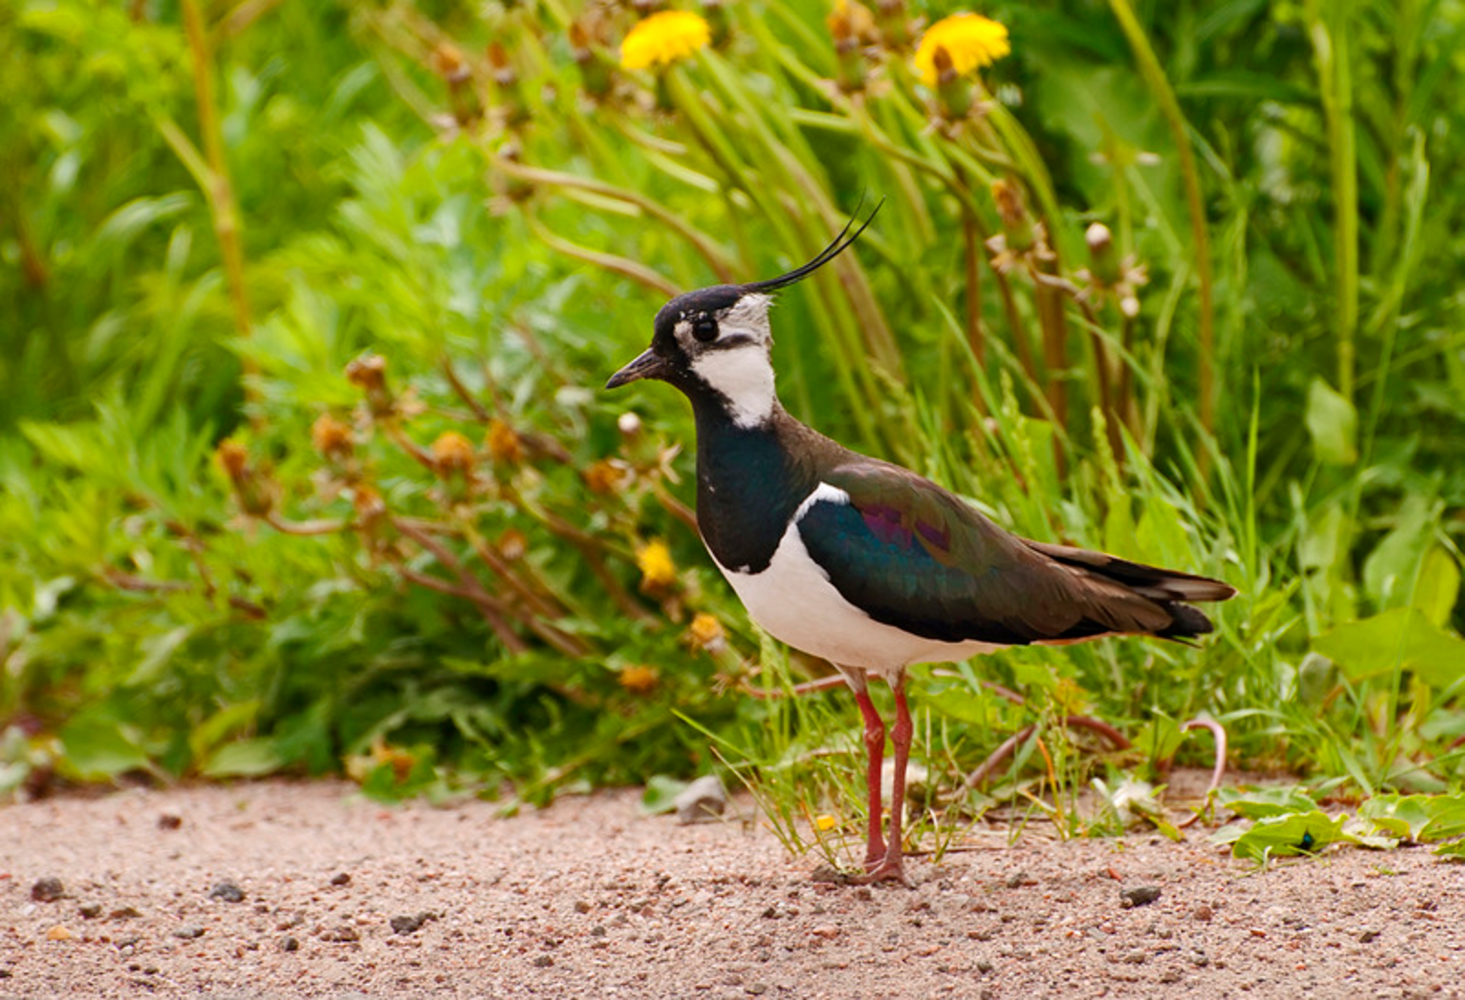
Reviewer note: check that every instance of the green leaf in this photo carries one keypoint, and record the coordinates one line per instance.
(1402, 638)
(1455, 850)
(1291, 834)
(1391, 568)
(99, 747)
(1258, 803)
(1417, 818)
(245, 759)
(1333, 424)
(660, 795)
(1438, 586)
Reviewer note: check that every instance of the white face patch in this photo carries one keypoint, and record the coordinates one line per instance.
(744, 375)
(748, 318)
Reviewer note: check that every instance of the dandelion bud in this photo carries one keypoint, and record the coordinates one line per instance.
(233, 458)
(452, 453)
(895, 26)
(1104, 262)
(1017, 224)
(594, 70)
(954, 92)
(255, 496)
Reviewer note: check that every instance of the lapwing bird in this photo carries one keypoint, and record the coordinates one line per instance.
(862, 562)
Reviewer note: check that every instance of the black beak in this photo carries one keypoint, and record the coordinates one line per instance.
(648, 365)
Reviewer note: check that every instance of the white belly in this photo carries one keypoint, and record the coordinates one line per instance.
(794, 602)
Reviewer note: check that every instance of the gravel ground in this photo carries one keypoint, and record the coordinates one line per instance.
(279, 888)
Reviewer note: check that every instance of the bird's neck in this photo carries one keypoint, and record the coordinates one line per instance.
(749, 482)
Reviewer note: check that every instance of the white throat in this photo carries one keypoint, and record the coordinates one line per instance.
(744, 375)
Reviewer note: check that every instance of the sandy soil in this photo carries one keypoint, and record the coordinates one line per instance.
(591, 899)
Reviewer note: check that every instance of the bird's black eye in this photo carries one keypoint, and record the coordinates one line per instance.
(704, 328)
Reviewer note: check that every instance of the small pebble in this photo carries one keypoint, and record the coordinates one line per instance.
(341, 934)
(228, 892)
(543, 961)
(188, 932)
(290, 944)
(1137, 957)
(47, 890)
(1139, 895)
(1369, 936)
(124, 913)
(1203, 912)
(410, 924)
(703, 801)
(58, 933)
(168, 821)
(91, 910)
(344, 878)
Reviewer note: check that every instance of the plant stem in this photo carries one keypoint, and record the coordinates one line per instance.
(218, 189)
(1154, 74)
(1328, 28)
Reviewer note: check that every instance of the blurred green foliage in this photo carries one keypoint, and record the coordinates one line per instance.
(461, 567)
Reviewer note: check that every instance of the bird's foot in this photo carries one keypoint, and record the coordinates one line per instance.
(886, 869)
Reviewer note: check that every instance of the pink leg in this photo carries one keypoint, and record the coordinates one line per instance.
(875, 754)
(891, 866)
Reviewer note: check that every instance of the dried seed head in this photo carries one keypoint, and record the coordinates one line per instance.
(513, 544)
(331, 438)
(447, 62)
(606, 476)
(452, 453)
(504, 443)
(369, 505)
(368, 372)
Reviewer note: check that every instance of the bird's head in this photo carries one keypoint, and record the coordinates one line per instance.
(715, 342)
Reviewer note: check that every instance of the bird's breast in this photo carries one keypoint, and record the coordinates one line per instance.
(793, 600)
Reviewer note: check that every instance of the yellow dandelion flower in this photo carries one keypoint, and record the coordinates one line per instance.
(970, 40)
(825, 822)
(663, 39)
(657, 570)
(706, 633)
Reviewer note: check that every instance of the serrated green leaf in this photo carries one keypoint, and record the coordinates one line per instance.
(1257, 803)
(1418, 818)
(1291, 834)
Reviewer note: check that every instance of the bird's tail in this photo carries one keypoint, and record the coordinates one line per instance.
(1166, 587)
